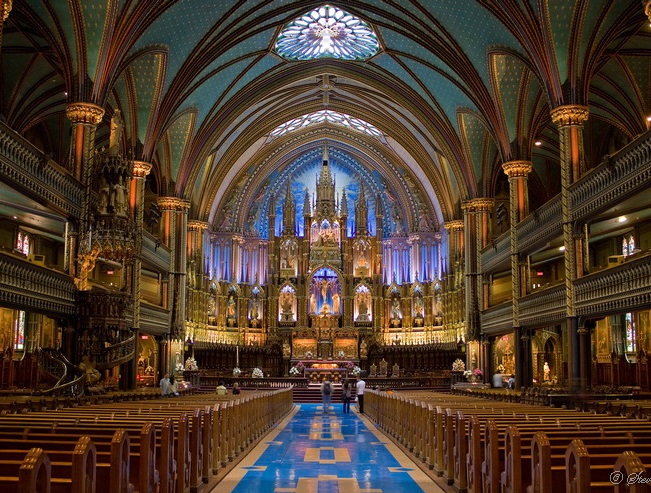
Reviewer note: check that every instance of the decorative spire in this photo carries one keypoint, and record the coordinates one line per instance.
(325, 190)
(289, 212)
(307, 206)
(361, 213)
(343, 209)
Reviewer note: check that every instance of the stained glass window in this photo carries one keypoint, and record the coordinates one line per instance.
(630, 333)
(19, 343)
(327, 32)
(326, 116)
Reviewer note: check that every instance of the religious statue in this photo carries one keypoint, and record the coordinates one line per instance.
(254, 310)
(104, 191)
(286, 302)
(312, 303)
(230, 306)
(546, 372)
(418, 306)
(324, 289)
(118, 200)
(396, 313)
(335, 303)
(88, 367)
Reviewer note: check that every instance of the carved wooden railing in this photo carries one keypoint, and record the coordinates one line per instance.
(618, 177)
(116, 354)
(497, 319)
(25, 167)
(36, 288)
(497, 254)
(543, 306)
(70, 381)
(625, 287)
(51, 365)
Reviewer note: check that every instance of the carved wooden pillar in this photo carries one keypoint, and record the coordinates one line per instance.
(517, 172)
(137, 205)
(197, 312)
(570, 120)
(476, 224)
(174, 214)
(5, 8)
(454, 288)
(84, 117)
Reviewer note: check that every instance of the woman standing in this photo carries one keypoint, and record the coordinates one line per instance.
(346, 394)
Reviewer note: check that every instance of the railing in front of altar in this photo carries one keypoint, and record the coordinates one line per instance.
(213, 379)
(438, 381)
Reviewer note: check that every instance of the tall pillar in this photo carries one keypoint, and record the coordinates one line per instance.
(453, 297)
(570, 120)
(137, 205)
(517, 172)
(84, 117)
(476, 226)
(197, 311)
(5, 8)
(174, 215)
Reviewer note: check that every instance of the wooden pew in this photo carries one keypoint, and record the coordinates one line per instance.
(633, 473)
(590, 468)
(112, 459)
(31, 474)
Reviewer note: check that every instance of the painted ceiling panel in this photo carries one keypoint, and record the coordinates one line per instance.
(181, 29)
(560, 16)
(213, 89)
(94, 19)
(64, 20)
(146, 72)
(179, 134)
(448, 96)
(507, 77)
(474, 134)
(639, 67)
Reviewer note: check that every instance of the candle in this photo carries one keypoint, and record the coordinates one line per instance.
(237, 356)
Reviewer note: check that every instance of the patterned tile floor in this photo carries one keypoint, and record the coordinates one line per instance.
(316, 452)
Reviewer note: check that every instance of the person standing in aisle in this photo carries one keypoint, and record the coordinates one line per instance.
(361, 386)
(165, 386)
(346, 394)
(326, 394)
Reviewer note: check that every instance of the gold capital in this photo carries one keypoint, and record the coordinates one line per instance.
(454, 225)
(647, 9)
(141, 169)
(570, 114)
(84, 113)
(478, 204)
(173, 204)
(517, 169)
(196, 225)
(6, 8)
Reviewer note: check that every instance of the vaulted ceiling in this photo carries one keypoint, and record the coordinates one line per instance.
(457, 88)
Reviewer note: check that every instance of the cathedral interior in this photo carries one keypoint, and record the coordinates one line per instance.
(211, 186)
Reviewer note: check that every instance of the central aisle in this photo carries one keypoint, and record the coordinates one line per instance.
(313, 452)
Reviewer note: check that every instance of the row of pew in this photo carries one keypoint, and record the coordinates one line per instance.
(174, 445)
(481, 446)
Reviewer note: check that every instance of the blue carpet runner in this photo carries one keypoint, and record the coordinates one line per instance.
(316, 452)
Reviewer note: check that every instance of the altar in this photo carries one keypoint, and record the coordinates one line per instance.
(317, 371)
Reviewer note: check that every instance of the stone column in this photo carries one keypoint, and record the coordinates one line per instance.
(570, 120)
(517, 172)
(198, 308)
(5, 8)
(174, 213)
(476, 227)
(453, 297)
(84, 117)
(140, 172)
